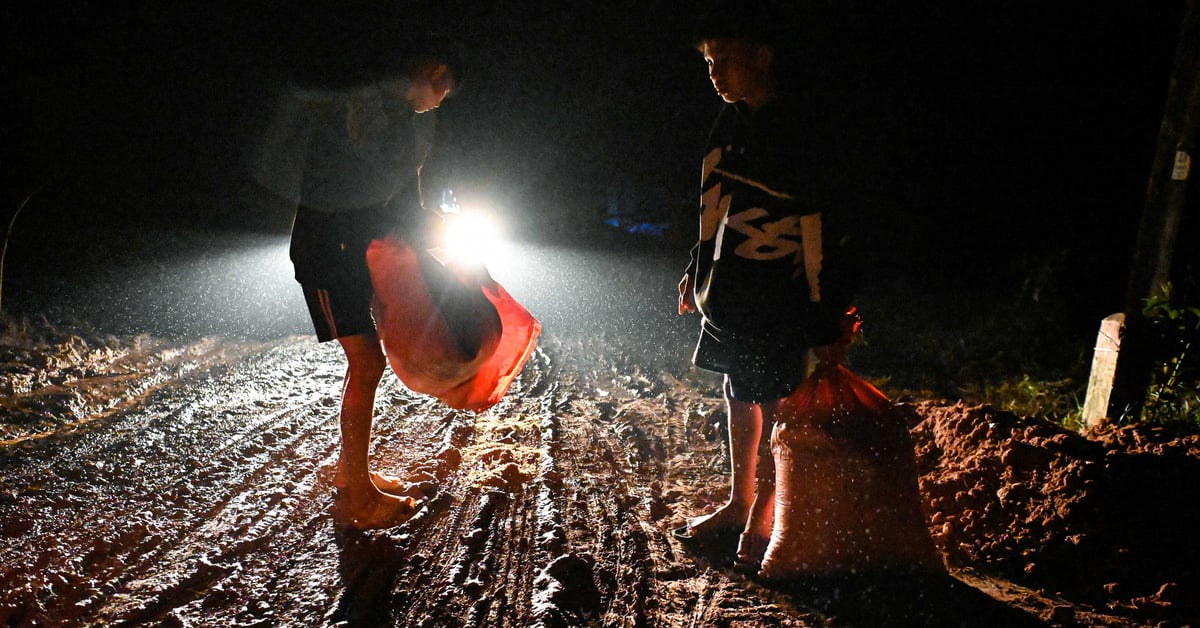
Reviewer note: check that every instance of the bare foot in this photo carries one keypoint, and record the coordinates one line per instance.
(398, 487)
(724, 520)
(418, 488)
(751, 548)
(374, 512)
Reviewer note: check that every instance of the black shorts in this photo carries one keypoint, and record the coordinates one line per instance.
(772, 383)
(758, 369)
(329, 254)
(340, 311)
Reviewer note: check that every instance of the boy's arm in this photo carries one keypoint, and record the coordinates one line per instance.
(687, 285)
(687, 291)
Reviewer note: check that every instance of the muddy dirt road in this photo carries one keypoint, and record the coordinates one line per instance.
(192, 487)
(188, 483)
(206, 502)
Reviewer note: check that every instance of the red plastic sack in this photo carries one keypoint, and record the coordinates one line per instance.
(518, 337)
(845, 482)
(450, 332)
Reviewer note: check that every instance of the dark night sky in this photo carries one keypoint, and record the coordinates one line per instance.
(982, 133)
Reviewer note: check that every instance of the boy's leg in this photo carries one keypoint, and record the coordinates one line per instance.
(757, 534)
(358, 400)
(745, 432)
(753, 542)
(363, 373)
(360, 504)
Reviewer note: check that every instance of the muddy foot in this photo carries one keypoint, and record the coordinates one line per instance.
(399, 487)
(751, 548)
(724, 521)
(418, 486)
(377, 512)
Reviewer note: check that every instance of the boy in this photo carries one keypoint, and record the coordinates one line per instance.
(354, 172)
(756, 272)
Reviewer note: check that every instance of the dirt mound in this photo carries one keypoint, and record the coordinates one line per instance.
(1108, 517)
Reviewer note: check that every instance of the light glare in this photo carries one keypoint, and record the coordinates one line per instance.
(472, 237)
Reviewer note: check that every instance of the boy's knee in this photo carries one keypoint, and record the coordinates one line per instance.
(378, 364)
(368, 365)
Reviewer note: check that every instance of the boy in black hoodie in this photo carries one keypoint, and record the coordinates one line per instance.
(758, 272)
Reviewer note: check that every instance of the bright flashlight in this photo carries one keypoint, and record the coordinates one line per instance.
(471, 237)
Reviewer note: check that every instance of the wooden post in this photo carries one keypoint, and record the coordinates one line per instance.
(1167, 194)
(1104, 369)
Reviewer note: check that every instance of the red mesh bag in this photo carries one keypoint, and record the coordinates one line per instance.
(846, 494)
(448, 331)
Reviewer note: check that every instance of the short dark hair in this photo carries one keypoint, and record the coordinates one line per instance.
(772, 23)
(758, 21)
(348, 50)
(431, 48)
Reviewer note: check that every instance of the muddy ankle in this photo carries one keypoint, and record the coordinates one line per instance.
(724, 518)
(386, 483)
(373, 512)
(751, 548)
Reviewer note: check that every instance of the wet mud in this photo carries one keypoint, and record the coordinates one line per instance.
(199, 494)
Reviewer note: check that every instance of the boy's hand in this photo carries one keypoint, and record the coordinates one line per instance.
(687, 291)
(835, 353)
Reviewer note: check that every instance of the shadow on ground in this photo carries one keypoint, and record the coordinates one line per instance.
(893, 597)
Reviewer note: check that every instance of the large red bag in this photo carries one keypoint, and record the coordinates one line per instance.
(448, 331)
(846, 494)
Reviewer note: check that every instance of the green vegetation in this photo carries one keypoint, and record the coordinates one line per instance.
(1027, 355)
(1174, 391)
(1172, 396)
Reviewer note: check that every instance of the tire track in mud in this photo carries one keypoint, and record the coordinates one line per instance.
(183, 498)
(487, 539)
(98, 382)
(208, 504)
(286, 549)
(130, 466)
(598, 548)
(634, 439)
(528, 546)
